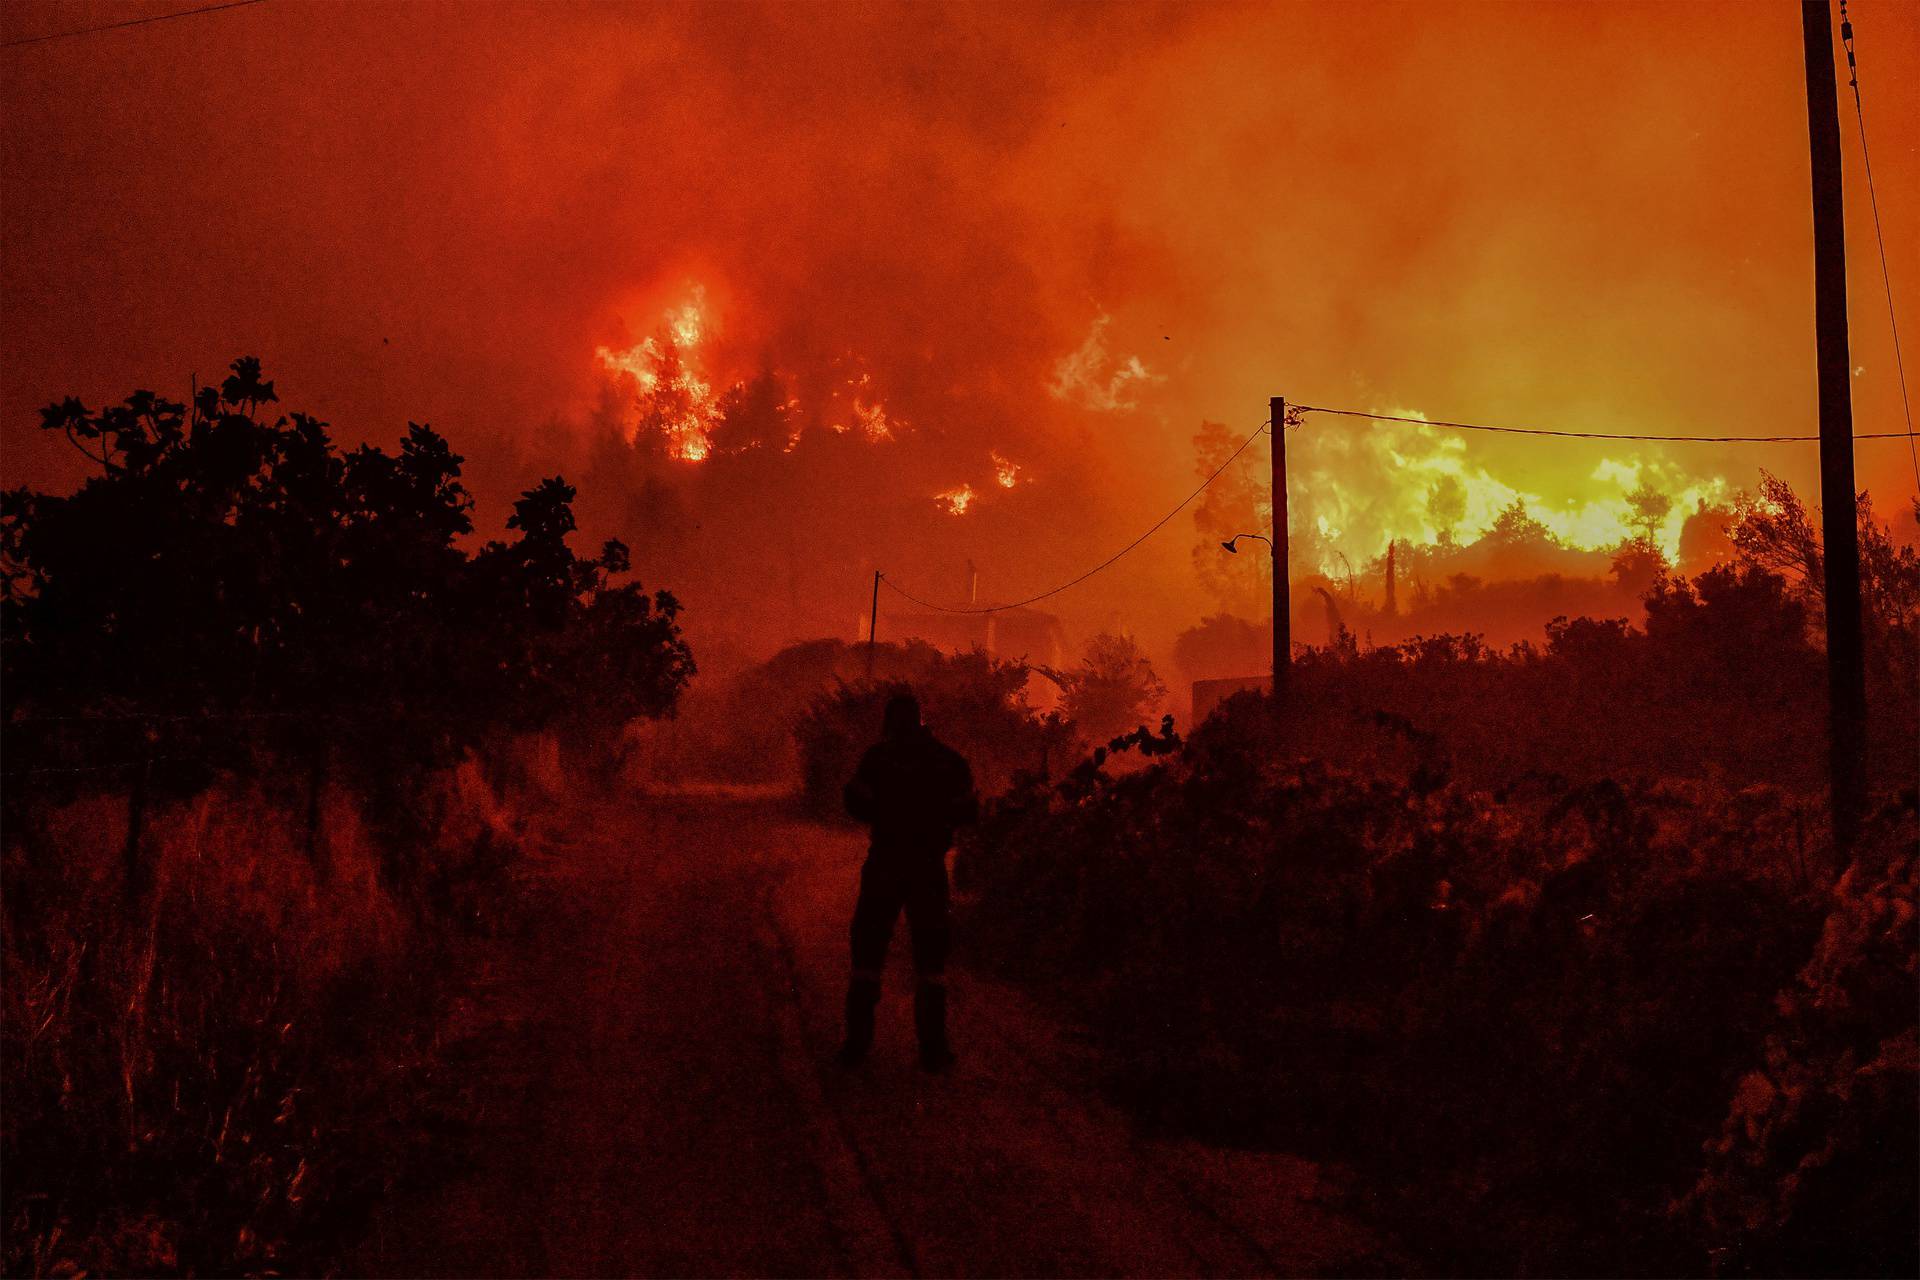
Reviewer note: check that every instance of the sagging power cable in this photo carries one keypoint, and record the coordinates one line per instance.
(1586, 435)
(1873, 198)
(1104, 564)
(130, 22)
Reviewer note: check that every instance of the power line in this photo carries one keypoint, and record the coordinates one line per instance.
(131, 22)
(1020, 604)
(1589, 435)
(1873, 198)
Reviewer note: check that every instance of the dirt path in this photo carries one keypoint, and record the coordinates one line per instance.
(663, 1100)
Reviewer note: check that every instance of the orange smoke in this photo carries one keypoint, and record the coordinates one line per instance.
(946, 248)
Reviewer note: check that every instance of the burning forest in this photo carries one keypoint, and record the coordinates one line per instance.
(662, 639)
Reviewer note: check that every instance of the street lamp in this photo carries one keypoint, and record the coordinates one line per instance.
(1281, 642)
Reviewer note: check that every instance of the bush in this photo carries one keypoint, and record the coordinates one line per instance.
(1723, 683)
(1522, 1011)
(975, 703)
(743, 729)
(1112, 689)
(1815, 1169)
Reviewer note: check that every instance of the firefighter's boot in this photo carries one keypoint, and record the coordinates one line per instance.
(863, 994)
(930, 1023)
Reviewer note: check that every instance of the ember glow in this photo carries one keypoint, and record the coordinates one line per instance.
(1006, 472)
(873, 420)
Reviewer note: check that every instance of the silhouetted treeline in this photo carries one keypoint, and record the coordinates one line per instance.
(1720, 674)
(1505, 585)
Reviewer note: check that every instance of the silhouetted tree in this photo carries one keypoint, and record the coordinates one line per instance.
(1650, 509)
(1112, 689)
(228, 583)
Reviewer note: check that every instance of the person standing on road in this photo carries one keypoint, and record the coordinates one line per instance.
(912, 790)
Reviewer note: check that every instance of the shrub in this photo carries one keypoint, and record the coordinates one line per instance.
(973, 702)
(1815, 1169)
(1525, 1008)
(1112, 689)
(744, 729)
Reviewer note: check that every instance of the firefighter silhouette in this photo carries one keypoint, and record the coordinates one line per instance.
(912, 790)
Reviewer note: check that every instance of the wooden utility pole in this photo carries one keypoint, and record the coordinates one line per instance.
(873, 621)
(1277, 546)
(1846, 667)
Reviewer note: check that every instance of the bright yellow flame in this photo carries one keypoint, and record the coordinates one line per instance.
(873, 420)
(1005, 471)
(674, 398)
(687, 325)
(956, 500)
(1419, 485)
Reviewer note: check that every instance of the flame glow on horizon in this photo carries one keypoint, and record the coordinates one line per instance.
(1419, 485)
(1354, 491)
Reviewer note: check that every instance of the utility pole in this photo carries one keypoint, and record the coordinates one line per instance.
(1277, 546)
(873, 621)
(1846, 667)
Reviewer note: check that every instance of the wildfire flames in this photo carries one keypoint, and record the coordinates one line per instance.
(1359, 490)
(674, 397)
(681, 404)
(1005, 471)
(1354, 490)
(1093, 378)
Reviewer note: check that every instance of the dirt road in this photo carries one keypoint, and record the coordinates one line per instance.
(663, 1101)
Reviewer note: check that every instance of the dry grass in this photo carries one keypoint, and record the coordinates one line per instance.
(226, 1077)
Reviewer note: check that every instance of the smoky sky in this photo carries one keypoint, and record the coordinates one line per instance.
(1583, 215)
